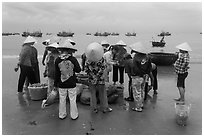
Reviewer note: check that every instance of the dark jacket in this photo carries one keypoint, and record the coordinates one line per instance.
(65, 72)
(141, 65)
(25, 57)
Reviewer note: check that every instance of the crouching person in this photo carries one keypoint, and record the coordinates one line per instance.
(65, 79)
(95, 68)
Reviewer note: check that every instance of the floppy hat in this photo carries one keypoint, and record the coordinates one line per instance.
(184, 46)
(94, 52)
(30, 39)
(72, 42)
(121, 43)
(138, 47)
(66, 45)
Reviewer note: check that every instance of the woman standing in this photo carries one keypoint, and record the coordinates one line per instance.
(181, 68)
(95, 67)
(120, 63)
(25, 63)
(65, 79)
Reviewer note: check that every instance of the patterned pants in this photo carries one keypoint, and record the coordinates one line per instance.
(138, 90)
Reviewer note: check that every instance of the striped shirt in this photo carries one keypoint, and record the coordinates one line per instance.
(181, 64)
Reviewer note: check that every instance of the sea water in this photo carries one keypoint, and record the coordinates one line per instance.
(11, 45)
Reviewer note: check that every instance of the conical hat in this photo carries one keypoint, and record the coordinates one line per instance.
(184, 46)
(53, 45)
(30, 39)
(94, 52)
(104, 42)
(67, 45)
(138, 47)
(121, 43)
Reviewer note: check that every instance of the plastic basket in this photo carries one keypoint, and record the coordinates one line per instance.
(182, 113)
(38, 93)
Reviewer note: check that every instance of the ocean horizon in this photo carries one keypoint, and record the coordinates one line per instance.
(11, 45)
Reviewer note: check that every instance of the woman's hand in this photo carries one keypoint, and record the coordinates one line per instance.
(16, 68)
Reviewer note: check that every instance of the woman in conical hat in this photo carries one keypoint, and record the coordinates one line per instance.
(25, 63)
(141, 71)
(105, 45)
(67, 46)
(94, 52)
(119, 58)
(50, 73)
(95, 67)
(66, 65)
(181, 68)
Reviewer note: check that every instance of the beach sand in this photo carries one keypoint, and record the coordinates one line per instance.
(23, 116)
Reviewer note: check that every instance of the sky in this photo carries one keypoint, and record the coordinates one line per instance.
(82, 17)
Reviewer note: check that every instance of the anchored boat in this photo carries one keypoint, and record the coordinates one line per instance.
(162, 58)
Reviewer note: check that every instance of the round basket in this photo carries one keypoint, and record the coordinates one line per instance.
(38, 93)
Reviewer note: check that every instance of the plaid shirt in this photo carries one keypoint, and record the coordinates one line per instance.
(95, 71)
(181, 64)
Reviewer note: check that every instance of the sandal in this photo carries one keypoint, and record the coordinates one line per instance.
(137, 109)
(95, 110)
(107, 110)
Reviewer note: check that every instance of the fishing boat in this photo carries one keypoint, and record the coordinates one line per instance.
(102, 34)
(130, 34)
(16, 33)
(160, 43)
(25, 34)
(65, 34)
(163, 33)
(48, 33)
(162, 58)
(6, 34)
(114, 34)
(34, 34)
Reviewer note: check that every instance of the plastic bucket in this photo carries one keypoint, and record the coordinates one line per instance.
(38, 93)
(182, 113)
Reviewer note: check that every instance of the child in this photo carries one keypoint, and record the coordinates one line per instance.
(95, 68)
(65, 79)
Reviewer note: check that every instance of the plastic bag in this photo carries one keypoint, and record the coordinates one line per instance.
(182, 113)
(50, 99)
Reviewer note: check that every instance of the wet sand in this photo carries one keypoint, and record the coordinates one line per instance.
(20, 115)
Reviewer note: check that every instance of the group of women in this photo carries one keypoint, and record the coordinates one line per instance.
(98, 61)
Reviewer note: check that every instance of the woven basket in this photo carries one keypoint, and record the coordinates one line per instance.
(38, 93)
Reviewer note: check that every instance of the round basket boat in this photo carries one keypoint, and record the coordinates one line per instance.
(163, 58)
(38, 93)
